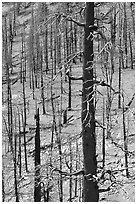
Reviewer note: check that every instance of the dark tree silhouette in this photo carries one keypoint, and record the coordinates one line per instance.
(37, 187)
(90, 188)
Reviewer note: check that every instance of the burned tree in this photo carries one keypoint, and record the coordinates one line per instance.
(90, 188)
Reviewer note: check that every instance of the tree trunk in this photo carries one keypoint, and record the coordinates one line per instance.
(132, 5)
(69, 99)
(125, 141)
(42, 85)
(90, 188)
(24, 137)
(23, 80)
(120, 60)
(113, 39)
(37, 188)
(103, 140)
(59, 148)
(19, 155)
(70, 179)
(15, 171)
(55, 50)
(3, 186)
(125, 35)
(46, 49)
(131, 52)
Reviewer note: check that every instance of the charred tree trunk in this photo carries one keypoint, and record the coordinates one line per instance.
(113, 38)
(70, 166)
(120, 60)
(24, 104)
(125, 35)
(19, 155)
(42, 86)
(15, 170)
(90, 188)
(103, 140)
(69, 99)
(46, 49)
(132, 7)
(37, 187)
(58, 138)
(24, 137)
(3, 187)
(125, 141)
(55, 48)
(131, 52)
(23, 80)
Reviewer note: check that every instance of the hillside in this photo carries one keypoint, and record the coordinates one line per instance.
(34, 76)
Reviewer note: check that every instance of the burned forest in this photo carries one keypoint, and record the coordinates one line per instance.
(68, 101)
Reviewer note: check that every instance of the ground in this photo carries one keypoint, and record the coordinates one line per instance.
(122, 188)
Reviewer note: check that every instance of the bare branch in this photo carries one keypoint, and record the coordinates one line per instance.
(101, 83)
(80, 172)
(73, 20)
(81, 11)
(66, 63)
(100, 125)
(130, 102)
(120, 146)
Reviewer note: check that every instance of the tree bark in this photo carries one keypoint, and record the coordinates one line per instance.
(120, 60)
(125, 35)
(90, 188)
(15, 170)
(125, 141)
(131, 52)
(3, 186)
(19, 150)
(103, 140)
(132, 5)
(37, 187)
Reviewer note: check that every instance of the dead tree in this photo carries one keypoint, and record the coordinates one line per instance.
(37, 187)
(90, 188)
